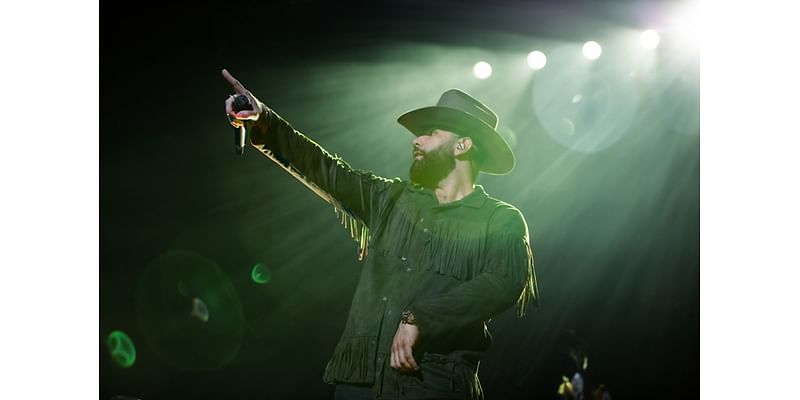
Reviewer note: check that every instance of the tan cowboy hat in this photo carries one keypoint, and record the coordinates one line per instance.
(464, 115)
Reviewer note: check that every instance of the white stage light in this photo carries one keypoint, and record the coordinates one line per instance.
(592, 50)
(650, 39)
(482, 70)
(537, 59)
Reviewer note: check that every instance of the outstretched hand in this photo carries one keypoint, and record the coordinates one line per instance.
(237, 118)
(402, 358)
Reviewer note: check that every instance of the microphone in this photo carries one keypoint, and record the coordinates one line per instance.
(240, 103)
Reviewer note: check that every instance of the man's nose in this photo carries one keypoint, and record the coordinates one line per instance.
(417, 142)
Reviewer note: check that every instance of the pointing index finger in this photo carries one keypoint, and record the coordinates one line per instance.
(237, 87)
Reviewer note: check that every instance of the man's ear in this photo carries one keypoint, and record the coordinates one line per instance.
(462, 146)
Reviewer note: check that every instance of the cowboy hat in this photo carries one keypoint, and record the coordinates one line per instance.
(464, 115)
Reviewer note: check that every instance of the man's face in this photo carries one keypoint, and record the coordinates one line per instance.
(433, 157)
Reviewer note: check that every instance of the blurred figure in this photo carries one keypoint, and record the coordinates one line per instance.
(574, 360)
(601, 393)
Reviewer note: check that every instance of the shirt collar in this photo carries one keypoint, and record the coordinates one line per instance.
(475, 199)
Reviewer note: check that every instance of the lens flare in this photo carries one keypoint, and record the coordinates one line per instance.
(261, 274)
(175, 298)
(122, 350)
(199, 310)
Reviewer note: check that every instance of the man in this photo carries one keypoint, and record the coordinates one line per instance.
(443, 257)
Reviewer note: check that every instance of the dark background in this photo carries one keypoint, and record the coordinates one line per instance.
(615, 232)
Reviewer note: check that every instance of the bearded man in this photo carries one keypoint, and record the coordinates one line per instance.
(441, 256)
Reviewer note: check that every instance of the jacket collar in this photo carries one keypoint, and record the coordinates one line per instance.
(475, 199)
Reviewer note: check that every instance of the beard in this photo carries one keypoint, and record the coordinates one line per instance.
(432, 168)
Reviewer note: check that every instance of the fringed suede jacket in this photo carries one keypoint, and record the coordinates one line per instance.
(454, 265)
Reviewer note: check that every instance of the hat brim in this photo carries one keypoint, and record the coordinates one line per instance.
(499, 159)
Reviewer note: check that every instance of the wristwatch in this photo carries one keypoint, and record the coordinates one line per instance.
(408, 318)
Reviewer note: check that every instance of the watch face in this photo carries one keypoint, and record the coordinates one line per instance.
(407, 317)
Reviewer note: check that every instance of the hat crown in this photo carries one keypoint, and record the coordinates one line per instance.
(461, 101)
(462, 114)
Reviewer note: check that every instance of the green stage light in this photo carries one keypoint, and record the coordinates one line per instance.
(123, 352)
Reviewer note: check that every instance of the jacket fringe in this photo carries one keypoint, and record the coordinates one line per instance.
(351, 355)
(464, 253)
(358, 229)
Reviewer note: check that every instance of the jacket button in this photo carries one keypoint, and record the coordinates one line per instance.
(425, 230)
(408, 269)
(403, 258)
(384, 298)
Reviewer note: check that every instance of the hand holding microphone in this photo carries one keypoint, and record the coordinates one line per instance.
(240, 103)
(241, 107)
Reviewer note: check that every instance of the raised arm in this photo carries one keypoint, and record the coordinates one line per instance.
(360, 194)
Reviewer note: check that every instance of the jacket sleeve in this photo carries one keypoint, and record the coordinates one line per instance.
(507, 278)
(360, 193)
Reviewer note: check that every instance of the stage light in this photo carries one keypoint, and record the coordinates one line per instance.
(482, 70)
(592, 50)
(650, 39)
(537, 59)
(685, 22)
(123, 352)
